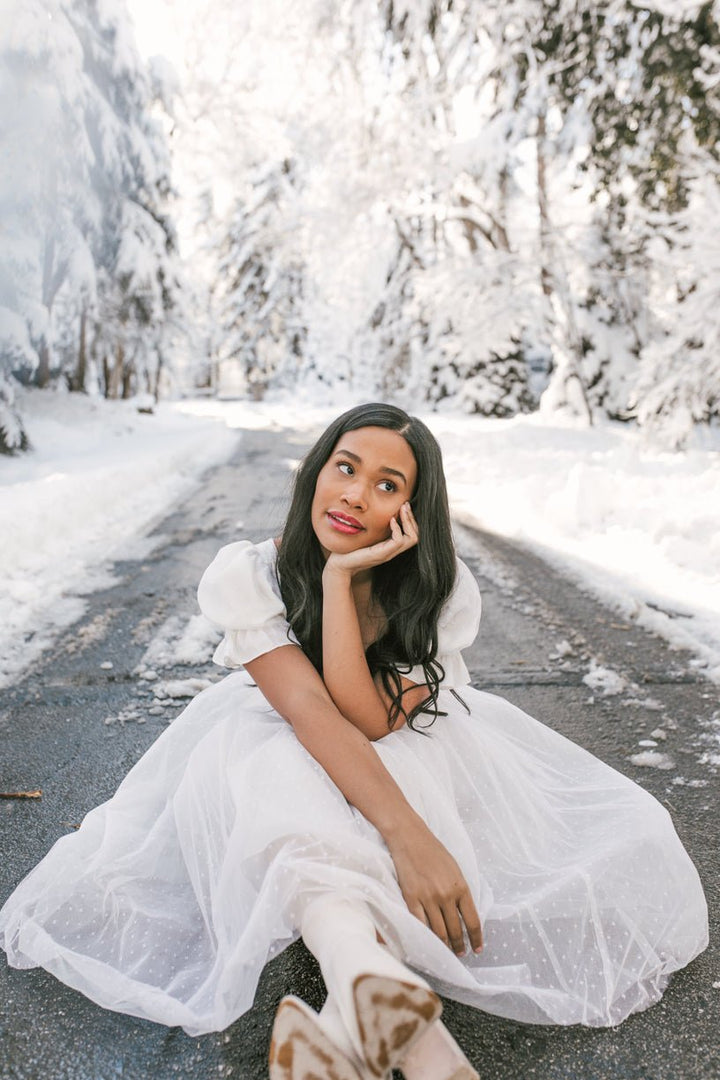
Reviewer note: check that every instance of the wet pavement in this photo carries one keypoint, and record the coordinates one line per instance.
(74, 725)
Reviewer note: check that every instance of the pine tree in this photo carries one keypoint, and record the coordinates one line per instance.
(262, 283)
(83, 184)
(650, 84)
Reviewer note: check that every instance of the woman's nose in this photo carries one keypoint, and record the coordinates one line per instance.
(354, 493)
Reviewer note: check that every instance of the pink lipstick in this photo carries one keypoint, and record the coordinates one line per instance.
(344, 523)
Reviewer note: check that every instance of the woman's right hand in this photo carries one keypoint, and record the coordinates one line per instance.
(433, 886)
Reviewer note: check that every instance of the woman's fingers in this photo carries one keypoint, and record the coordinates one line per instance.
(456, 941)
(446, 922)
(418, 911)
(434, 888)
(447, 919)
(408, 522)
(400, 539)
(403, 536)
(471, 919)
(406, 526)
(437, 923)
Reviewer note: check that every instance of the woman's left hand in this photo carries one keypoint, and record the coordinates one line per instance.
(403, 536)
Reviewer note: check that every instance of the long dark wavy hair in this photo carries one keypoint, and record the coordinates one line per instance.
(410, 589)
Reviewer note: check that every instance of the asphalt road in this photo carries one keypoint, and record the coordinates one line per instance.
(73, 727)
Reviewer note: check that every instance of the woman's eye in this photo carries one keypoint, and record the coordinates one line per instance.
(346, 468)
(388, 485)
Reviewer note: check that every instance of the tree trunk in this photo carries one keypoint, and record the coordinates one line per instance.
(52, 279)
(127, 373)
(114, 373)
(155, 391)
(566, 387)
(546, 282)
(43, 372)
(77, 382)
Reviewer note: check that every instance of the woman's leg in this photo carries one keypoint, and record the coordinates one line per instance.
(378, 1015)
(383, 1005)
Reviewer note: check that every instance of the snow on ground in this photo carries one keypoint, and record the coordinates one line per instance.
(100, 475)
(652, 759)
(638, 526)
(179, 642)
(606, 681)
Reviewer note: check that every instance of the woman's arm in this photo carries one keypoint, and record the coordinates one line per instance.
(430, 879)
(346, 674)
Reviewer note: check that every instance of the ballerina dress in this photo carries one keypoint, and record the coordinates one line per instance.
(174, 894)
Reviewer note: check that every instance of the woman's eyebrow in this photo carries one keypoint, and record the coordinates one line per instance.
(382, 469)
(393, 472)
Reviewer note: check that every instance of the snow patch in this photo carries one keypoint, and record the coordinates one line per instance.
(181, 688)
(180, 641)
(652, 759)
(604, 679)
(652, 704)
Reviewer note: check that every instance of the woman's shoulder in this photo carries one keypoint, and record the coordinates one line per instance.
(459, 619)
(240, 589)
(465, 581)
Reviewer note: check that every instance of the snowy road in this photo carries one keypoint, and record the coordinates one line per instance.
(83, 715)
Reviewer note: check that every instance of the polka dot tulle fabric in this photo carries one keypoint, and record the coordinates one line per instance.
(172, 896)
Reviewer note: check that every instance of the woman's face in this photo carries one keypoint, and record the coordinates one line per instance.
(370, 473)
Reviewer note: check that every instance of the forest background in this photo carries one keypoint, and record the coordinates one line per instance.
(495, 207)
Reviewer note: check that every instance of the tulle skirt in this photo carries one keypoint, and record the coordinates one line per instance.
(172, 896)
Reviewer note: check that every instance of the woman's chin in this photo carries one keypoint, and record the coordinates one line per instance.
(334, 542)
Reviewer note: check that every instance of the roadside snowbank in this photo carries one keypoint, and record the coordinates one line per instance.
(100, 474)
(639, 527)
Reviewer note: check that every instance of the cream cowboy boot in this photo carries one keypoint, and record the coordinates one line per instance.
(385, 1008)
(306, 1045)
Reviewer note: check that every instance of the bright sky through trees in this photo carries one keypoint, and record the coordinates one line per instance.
(475, 205)
(159, 27)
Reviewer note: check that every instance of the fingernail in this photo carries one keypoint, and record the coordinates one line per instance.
(478, 949)
(460, 952)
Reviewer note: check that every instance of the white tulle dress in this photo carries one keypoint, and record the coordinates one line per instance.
(172, 896)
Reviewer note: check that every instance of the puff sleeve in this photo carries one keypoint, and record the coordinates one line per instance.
(239, 592)
(457, 629)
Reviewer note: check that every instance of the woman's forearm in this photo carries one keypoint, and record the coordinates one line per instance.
(345, 670)
(295, 690)
(359, 697)
(352, 763)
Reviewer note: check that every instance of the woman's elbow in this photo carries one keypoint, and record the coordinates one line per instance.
(377, 727)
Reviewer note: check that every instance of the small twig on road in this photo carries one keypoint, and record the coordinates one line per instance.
(21, 794)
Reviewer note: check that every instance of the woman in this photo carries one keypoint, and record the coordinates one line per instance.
(351, 786)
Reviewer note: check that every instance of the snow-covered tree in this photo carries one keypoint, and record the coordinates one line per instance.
(479, 191)
(261, 282)
(83, 182)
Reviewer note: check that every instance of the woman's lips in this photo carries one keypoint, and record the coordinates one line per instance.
(344, 524)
